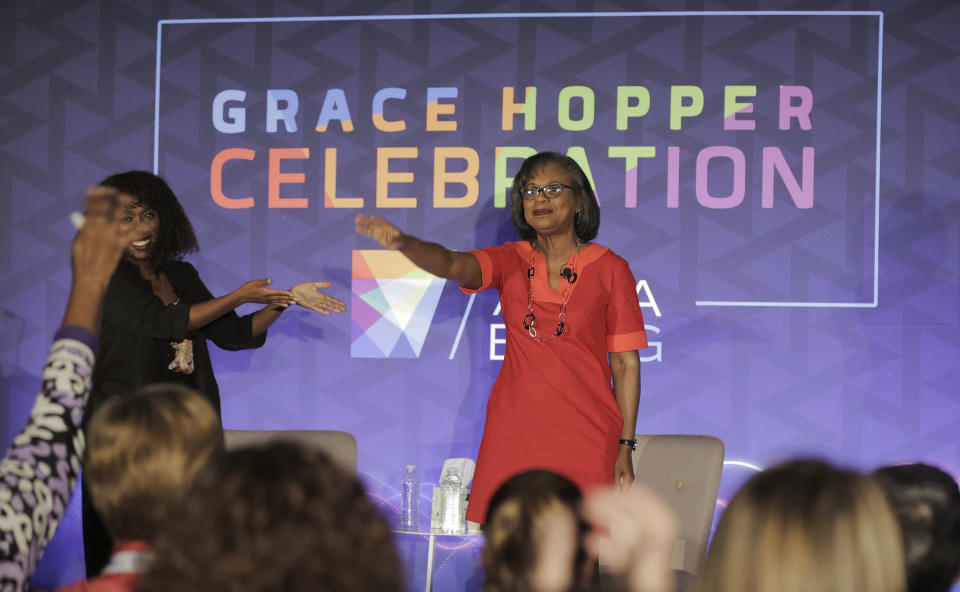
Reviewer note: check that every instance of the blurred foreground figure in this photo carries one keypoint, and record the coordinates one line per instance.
(534, 536)
(806, 526)
(540, 537)
(142, 453)
(926, 503)
(39, 471)
(273, 518)
(634, 532)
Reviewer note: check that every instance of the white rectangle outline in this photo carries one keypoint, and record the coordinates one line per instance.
(397, 17)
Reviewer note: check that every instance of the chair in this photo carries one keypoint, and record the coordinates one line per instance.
(340, 446)
(684, 470)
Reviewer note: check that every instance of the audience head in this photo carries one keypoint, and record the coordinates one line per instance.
(515, 521)
(277, 517)
(926, 503)
(142, 453)
(803, 526)
(175, 235)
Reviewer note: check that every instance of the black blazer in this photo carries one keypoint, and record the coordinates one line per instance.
(138, 330)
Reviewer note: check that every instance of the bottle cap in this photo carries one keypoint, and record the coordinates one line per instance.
(411, 468)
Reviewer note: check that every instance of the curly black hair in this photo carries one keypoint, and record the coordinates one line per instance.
(276, 517)
(175, 237)
(586, 224)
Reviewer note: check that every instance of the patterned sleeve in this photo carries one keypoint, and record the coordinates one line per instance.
(39, 471)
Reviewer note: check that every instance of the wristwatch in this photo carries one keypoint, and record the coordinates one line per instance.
(631, 443)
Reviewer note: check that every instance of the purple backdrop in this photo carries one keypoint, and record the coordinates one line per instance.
(823, 322)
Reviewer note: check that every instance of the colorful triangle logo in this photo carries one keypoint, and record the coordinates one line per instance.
(393, 305)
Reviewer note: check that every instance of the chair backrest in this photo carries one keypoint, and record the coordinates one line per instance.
(685, 471)
(341, 446)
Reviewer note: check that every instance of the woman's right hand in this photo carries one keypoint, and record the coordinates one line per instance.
(379, 230)
(259, 291)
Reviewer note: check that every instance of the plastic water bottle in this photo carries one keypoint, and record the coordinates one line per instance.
(410, 492)
(451, 488)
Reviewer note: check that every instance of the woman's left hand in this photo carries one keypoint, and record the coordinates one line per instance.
(623, 469)
(308, 295)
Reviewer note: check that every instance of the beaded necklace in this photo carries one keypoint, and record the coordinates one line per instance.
(569, 273)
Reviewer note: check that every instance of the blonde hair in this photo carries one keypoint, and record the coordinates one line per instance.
(803, 526)
(142, 453)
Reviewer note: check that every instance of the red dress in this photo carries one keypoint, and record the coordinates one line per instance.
(552, 405)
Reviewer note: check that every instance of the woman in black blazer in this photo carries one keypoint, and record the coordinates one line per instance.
(158, 315)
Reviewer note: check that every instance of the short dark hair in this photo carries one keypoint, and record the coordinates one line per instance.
(926, 503)
(175, 236)
(510, 550)
(586, 224)
(276, 517)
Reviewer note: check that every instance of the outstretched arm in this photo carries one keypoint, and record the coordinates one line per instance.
(462, 268)
(625, 368)
(39, 472)
(307, 295)
(204, 313)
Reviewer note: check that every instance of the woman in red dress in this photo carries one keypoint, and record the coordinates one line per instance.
(573, 323)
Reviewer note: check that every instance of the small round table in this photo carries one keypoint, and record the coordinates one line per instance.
(432, 534)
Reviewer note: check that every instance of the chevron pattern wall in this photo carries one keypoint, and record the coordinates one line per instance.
(829, 330)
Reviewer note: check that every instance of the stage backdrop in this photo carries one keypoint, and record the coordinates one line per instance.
(782, 183)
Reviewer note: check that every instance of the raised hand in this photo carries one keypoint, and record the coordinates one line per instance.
(555, 533)
(259, 291)
(96, 250)
(308, 295)
(641, 531)
(99, 242)
(379, 230)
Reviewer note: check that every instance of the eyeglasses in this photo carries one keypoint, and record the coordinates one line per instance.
(550, 191)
